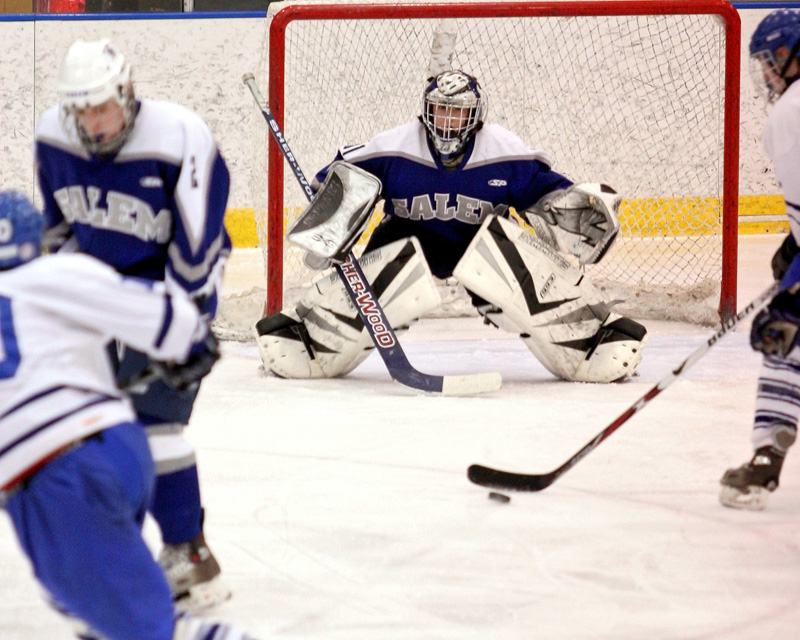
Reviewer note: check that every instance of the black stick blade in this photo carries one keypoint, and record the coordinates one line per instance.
(497, 479)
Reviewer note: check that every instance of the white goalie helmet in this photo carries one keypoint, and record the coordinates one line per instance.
(92, 74)
(453, 109)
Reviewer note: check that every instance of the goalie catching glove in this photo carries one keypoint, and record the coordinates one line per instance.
(581, 220)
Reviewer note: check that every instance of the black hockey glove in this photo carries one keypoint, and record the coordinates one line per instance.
(775, 328)
(202, 358)
(784, 256)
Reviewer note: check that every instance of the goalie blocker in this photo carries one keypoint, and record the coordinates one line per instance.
(336, 217)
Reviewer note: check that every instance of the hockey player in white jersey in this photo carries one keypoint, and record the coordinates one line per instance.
(76, 474)
(448, 183)
(775, 65)
(141, 185)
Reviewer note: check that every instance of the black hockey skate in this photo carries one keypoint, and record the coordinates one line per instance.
(748, 486)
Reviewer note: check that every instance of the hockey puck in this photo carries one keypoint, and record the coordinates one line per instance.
(499, 497)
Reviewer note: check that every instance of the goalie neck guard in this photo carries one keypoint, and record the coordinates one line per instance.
(453, 109)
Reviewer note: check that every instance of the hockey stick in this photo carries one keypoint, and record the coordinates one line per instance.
(366, 302)
(497, 479)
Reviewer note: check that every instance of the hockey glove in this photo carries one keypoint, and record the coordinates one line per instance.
(775, 328)
(582, 220)
(202, 357)
(337, 216)
(783, 257)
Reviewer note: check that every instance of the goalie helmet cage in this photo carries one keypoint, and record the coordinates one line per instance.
(641, 95)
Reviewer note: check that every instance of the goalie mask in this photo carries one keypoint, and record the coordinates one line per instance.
(96, 96)
(774, 49)
(21, 228)
(453, 109)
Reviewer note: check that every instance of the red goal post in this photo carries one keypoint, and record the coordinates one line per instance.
(642, 95)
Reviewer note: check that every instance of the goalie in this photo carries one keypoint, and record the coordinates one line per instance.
(448, 182)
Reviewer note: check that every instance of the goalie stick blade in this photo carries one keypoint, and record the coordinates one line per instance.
(473, 384)
(459, 386)
(497, 479)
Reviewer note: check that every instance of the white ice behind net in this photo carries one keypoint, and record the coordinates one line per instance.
(633, 101)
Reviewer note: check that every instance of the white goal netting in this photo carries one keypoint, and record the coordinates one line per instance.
(635, 101)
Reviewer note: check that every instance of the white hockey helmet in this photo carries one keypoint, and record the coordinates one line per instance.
(93, 73)
(453, 109)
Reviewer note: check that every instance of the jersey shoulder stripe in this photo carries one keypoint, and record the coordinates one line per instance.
(163, 131)
(407, 141)
(494, 143)
(50, 132)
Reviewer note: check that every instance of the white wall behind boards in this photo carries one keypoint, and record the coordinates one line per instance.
(199, 63)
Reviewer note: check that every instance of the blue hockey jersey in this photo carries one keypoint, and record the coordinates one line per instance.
(153, 210)
(498, 171)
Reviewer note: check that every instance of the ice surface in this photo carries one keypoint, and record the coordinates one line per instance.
(340, 509)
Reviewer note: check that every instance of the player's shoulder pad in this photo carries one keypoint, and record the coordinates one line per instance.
(407, 141)
(494, 143)
(71, 267)
(49, 123)
(166, 130)
(49, 280)
(49, 131)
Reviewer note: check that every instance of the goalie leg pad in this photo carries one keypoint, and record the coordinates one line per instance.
(560, 315)
(610, 355)
(324, 336)
(285, 347)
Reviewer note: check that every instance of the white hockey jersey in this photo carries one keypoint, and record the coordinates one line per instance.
(57, 314)
(782, 144)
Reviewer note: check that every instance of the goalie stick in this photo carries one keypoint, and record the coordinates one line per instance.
(366, 302)
(497, 479)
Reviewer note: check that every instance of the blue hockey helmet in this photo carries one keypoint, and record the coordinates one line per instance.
(21, 227)
(773, 47)
(453, 109)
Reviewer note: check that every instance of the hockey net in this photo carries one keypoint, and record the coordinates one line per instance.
(643, 96)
